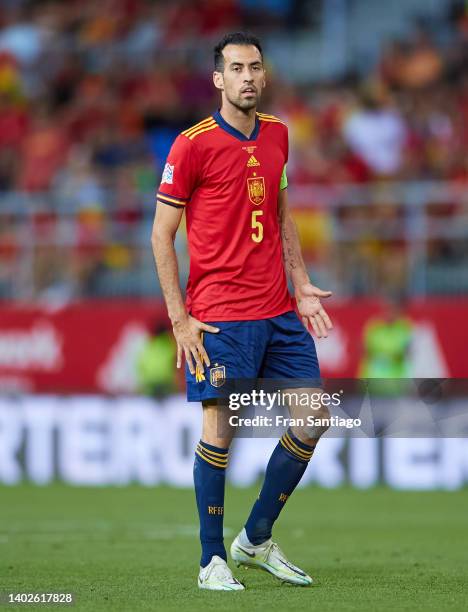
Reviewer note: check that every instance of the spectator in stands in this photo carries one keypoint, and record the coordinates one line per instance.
(376, 132)
(118, 80)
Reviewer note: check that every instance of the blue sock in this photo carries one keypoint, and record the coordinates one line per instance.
(287, 464)
(209, 473)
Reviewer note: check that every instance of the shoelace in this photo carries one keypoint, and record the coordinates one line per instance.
(274, 549)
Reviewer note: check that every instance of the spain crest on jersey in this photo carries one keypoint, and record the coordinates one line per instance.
(256, 189)
(218, 375)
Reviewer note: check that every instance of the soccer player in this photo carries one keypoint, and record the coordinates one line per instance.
(228, 173)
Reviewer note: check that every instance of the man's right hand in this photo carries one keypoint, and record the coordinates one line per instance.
(187, 333)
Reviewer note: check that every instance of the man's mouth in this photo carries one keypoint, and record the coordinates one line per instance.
(249, 90)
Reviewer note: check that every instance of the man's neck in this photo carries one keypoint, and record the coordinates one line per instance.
(244, 122)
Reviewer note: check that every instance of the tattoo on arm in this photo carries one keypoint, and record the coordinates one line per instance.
(289, 255)
(292, 256)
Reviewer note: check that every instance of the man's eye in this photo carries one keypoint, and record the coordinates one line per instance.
(236, 68)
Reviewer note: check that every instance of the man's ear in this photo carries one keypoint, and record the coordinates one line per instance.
(264, 80)
(218, 80)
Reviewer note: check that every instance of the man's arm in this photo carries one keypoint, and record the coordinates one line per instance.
(187, 329)
(307, 295)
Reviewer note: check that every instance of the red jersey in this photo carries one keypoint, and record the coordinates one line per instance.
(229, 186)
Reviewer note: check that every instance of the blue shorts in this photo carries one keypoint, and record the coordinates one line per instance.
(277, 348)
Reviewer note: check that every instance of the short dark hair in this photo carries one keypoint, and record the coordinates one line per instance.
(235, 38)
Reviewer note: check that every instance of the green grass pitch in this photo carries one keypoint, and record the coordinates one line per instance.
(137, 549)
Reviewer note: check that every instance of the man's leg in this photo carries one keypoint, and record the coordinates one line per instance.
(287, 464)
(211, 458)
(253, 546)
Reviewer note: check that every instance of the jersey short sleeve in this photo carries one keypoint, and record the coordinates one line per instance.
(180, 174)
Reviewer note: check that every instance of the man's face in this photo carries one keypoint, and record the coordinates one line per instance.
(243, 77)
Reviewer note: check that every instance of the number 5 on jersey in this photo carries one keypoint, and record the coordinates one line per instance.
(257, 225)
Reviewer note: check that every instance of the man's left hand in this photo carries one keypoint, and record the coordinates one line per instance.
(311, 310)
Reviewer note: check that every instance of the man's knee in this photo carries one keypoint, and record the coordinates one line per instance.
(216, 429)
(215, 440)
(313, 426)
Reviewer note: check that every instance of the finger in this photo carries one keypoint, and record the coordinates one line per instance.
(322, 293)
(310, 289)
(188, 358)
(321, 326)
(305, 322)
(314, 326)
(179, 355)
(196, 355)
(326, 318)
(324, 325)
(203, 354)
(208, 328)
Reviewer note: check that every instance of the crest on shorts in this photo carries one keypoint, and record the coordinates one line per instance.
(217, 375)
(256, 189)
(168, 174)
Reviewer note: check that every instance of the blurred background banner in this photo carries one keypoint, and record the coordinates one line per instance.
(92, 95)
(101, 346)
(94, 441)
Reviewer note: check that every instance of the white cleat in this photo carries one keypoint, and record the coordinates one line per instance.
(217, 576)
(268, 556)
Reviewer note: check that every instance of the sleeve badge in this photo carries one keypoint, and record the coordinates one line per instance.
(168, 174)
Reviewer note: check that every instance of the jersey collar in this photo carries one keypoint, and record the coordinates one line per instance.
(232, 130)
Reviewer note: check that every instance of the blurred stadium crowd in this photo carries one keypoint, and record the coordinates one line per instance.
(92, 95)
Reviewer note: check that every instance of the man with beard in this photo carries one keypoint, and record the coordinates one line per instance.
(228, 173)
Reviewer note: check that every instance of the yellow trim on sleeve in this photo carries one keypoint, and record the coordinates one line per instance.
(173, 200)
(178, 205)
